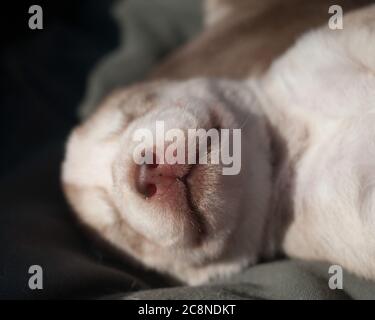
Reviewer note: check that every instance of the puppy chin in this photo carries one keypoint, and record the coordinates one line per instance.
(163, 219)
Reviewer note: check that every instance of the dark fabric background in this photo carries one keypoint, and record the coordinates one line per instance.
(43, 75)
(43, 72)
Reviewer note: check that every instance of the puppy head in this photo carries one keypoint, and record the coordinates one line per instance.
(189, 220)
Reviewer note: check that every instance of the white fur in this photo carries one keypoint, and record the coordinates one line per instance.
(326, 84)
(320, 97)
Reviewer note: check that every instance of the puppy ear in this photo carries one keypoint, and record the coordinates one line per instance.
(216, 11)
(329, 73)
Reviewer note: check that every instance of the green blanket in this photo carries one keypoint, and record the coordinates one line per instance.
(148, 31)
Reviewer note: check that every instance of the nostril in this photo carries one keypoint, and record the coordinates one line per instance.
(149, 190)
(145, 185)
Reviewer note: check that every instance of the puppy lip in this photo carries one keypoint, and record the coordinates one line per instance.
(187, 174)
(198, 217)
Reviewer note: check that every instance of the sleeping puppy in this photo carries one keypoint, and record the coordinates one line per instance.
(306, 186)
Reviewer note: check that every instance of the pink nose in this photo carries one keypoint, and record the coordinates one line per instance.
(159, 178)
